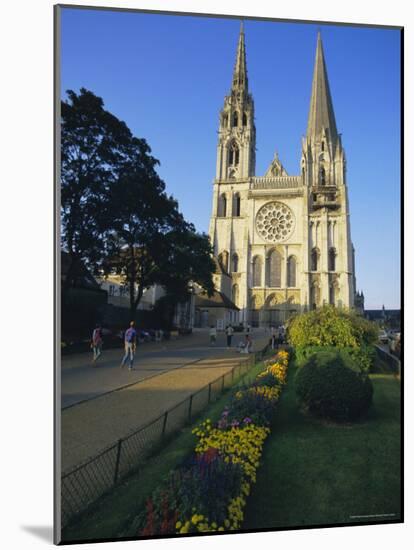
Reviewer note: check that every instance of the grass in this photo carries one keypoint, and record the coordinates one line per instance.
(316, 473)
(113, 515)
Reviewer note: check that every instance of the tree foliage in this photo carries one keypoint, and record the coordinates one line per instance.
(93, 143)
(116, 215)
(330, 326)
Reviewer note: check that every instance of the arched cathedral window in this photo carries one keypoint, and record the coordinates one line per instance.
(223, 260)
(244, 119)
(322, 176)
(234, 154)
(274, 269)
(314, 259)
(257, 271)
(236, 205)
(291, 271)
(235, 263)
(235, 119)
(332, 259)
(222, 206)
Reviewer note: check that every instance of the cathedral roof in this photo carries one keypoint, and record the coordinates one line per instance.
(218, 299)
(276, 168)
(321, 113)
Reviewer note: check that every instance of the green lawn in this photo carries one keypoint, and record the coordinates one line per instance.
(318, 473)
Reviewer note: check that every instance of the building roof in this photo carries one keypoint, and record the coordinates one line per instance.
(321, 113)
(374, 314)
(218, 299)
(81, 278)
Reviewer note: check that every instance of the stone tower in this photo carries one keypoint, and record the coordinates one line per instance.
(282, 243)
(324, 174)
(236, 150)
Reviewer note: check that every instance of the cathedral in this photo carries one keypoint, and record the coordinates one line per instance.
(282, 243)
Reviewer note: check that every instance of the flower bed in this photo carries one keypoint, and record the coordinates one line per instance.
(208, 491)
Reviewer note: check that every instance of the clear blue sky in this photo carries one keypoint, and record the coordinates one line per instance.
(166, 77)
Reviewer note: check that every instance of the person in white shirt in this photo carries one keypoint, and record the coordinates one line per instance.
(247, 344)
(229, 334)
(213, 335)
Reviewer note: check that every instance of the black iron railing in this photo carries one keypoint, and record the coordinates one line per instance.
(84, 485)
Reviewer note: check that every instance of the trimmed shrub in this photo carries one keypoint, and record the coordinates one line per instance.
(362, 358)
(330, 326)
(330, 386)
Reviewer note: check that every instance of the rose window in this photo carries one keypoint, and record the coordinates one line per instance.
(275, 222)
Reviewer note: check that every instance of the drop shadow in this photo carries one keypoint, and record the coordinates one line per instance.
(43, 532)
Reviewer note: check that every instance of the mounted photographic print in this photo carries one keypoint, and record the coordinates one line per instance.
(228, 254)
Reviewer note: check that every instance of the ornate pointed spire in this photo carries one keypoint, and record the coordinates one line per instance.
(240, 69)
(321, 113)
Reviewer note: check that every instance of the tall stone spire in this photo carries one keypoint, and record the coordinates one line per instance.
(240, 69)
(321, 113)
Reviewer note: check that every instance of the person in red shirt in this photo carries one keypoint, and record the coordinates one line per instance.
(96, 343)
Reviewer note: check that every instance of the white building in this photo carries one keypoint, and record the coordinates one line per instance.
(283, 242)
(118, 293)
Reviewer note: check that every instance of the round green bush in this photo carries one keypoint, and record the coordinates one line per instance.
(329, 385)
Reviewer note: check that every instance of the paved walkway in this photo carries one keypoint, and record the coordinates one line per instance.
(81, 381)
(161, 381)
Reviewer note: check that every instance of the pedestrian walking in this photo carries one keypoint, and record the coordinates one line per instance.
(247, 344)
(130, 343)
(96, 343)
(213, 335)
(273, 337)
(229, 334)
(281, 335)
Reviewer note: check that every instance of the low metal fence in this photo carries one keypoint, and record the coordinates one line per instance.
(392, 362)
(85, 484)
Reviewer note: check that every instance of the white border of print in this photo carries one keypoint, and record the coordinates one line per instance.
(26, 42)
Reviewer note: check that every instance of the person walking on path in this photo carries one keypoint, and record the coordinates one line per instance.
(281, 335)
(247, 344)
(213, 335)
(229, 334)
(130, 342)
(96, 343)
(273, 337)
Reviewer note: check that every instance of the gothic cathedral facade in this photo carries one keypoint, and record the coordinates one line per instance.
(282, 243)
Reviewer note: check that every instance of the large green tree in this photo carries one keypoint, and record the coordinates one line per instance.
(150, 242)
(116, 214)
(94, 145)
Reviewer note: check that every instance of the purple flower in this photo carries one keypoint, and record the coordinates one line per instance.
(247, 420)
(234, 424)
